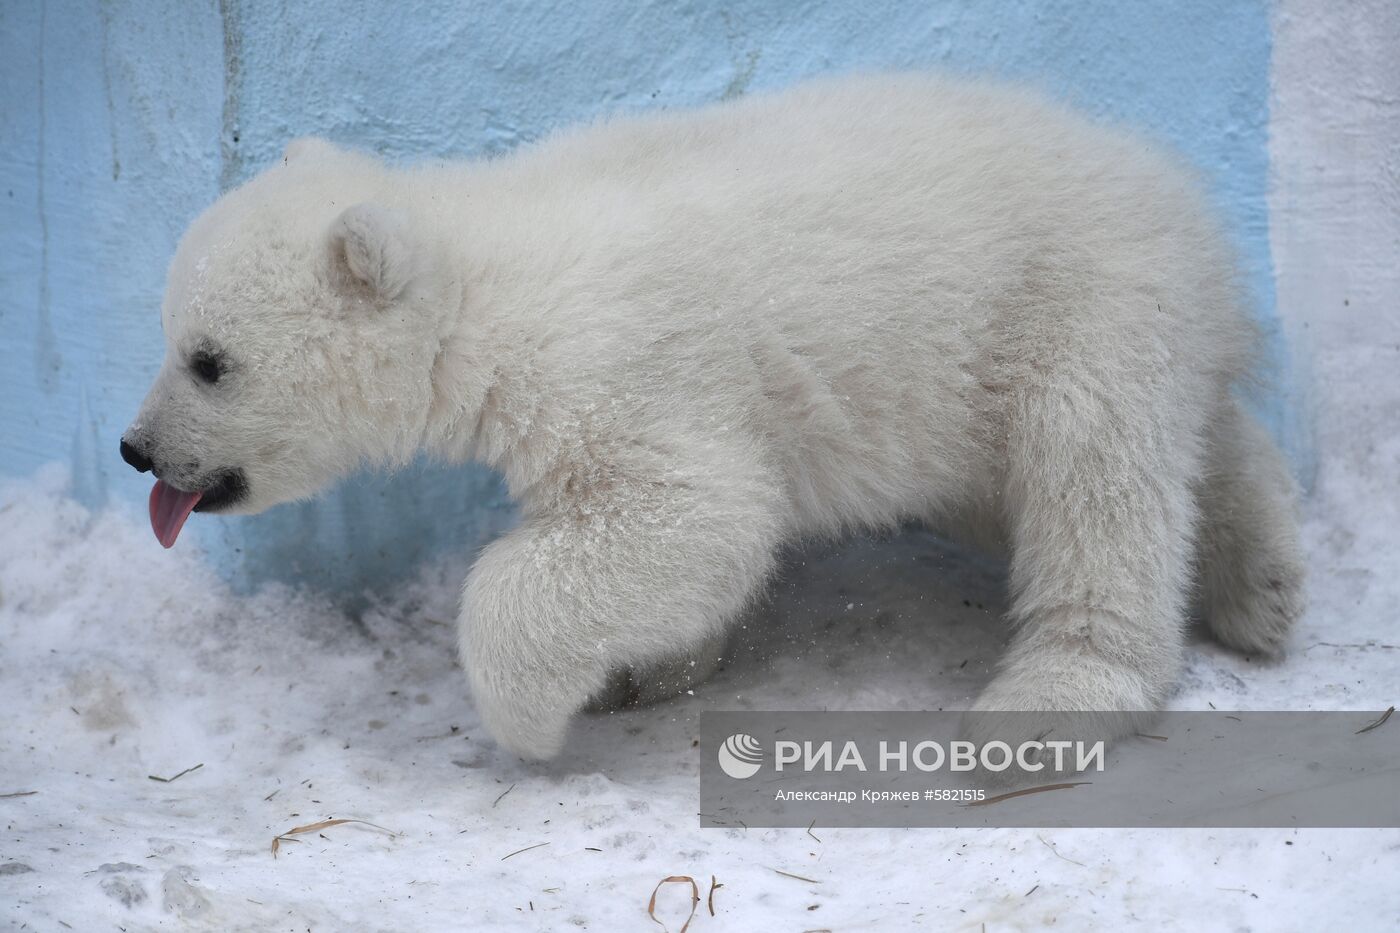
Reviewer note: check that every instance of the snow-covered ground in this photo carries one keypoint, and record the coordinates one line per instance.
(119, 661)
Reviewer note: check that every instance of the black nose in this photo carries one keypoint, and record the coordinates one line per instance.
(131, 455)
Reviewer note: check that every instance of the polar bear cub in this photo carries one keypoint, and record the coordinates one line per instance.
(685, 339)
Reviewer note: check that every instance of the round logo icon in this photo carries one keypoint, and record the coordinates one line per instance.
(740, 756)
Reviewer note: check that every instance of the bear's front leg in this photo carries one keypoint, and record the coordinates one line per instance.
(643, 573)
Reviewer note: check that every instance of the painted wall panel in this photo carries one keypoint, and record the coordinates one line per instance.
(1334, 207)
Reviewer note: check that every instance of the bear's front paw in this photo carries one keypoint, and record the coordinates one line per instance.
(531, 723)
(527, 679)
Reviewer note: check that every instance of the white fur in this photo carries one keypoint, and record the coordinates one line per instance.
(685, 339)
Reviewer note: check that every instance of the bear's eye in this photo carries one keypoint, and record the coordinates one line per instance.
(206, 366)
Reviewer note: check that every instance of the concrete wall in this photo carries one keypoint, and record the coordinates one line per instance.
(119, 120)
(1334, 204)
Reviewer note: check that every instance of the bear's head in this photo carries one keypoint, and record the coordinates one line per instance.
(302, 317)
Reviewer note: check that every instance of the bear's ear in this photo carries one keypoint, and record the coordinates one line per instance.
(307, 147)
(373, 245)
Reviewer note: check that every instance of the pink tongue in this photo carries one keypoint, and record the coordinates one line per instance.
(169, 509)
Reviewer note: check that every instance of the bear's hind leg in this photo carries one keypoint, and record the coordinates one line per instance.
(1100, 512)
(1249, 564)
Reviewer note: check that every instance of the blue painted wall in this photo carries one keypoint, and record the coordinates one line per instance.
(120, 120)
